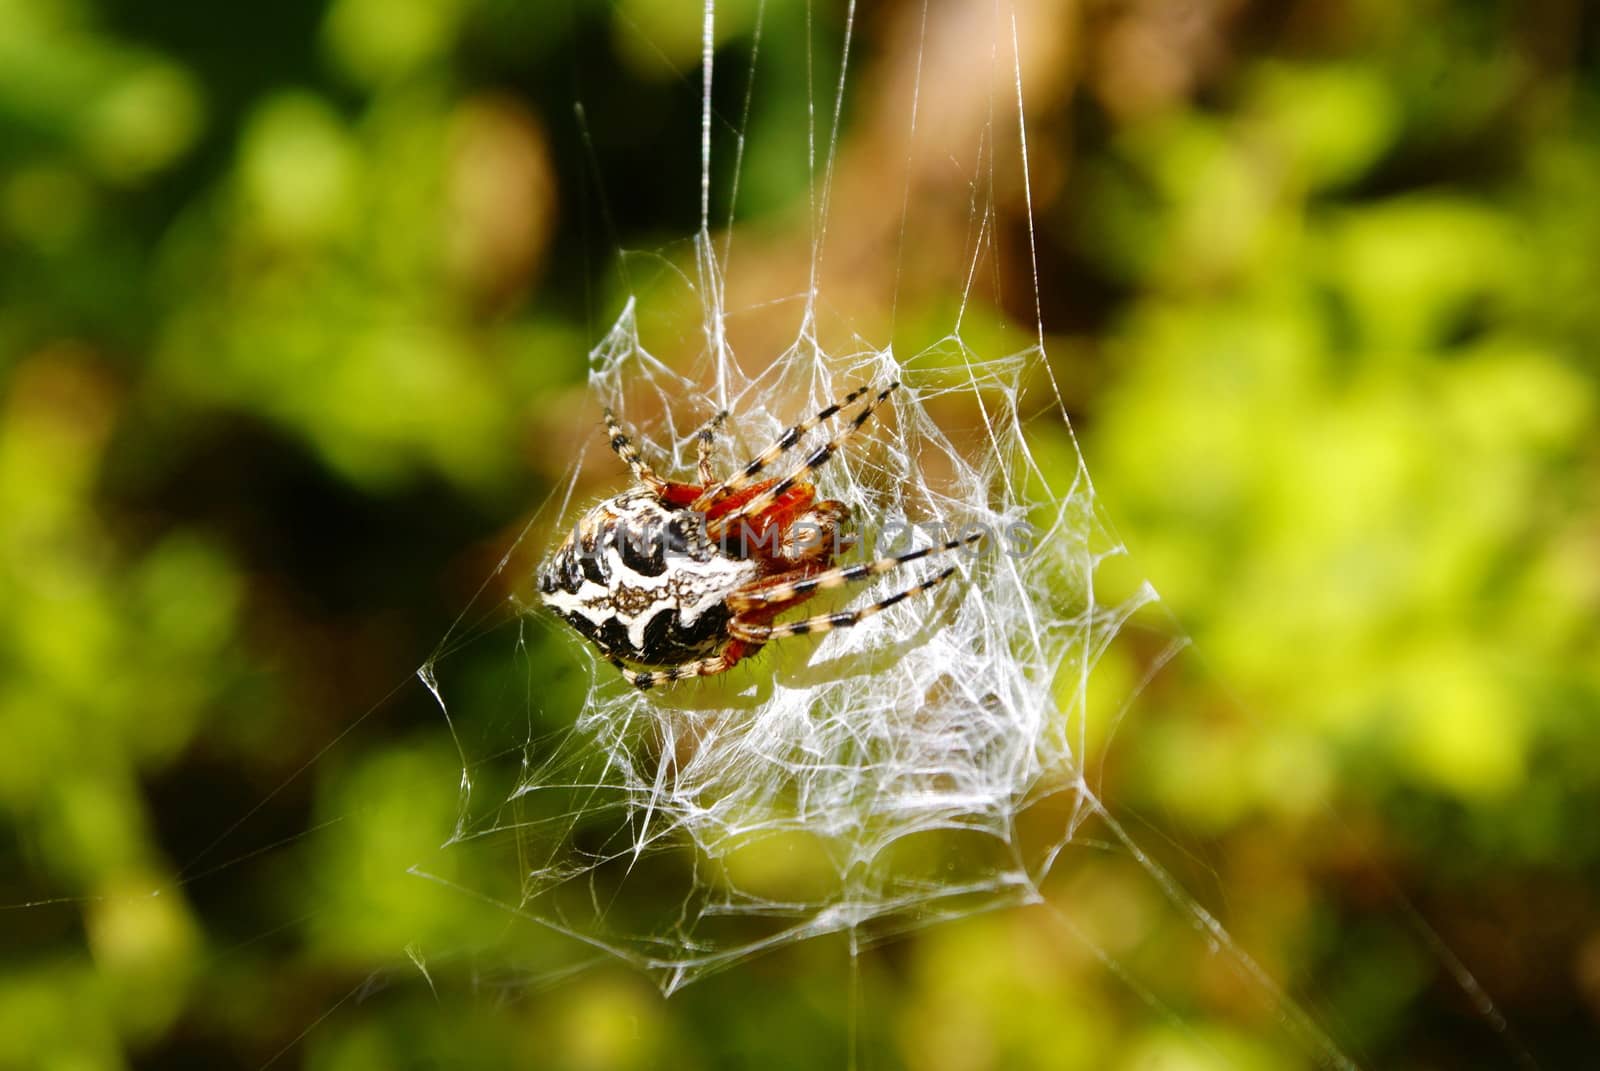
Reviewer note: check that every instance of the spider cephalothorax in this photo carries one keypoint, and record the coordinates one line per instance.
(691, 577)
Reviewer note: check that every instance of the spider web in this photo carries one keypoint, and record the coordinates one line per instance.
(938, 759)
(943, 758)
(893, 765)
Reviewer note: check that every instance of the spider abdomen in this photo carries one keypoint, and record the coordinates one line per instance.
(642, 581)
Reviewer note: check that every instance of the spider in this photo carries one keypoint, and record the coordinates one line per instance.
(689, 578)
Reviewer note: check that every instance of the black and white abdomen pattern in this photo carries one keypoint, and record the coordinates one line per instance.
(643, 582)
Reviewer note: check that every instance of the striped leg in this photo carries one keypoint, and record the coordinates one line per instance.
(645, 679)
(816, 460)
(707, 435)
(781, 445)
(630, 456)
(755, 633)
(788, 588)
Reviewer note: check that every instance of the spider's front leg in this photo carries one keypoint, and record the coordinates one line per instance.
(782, 445)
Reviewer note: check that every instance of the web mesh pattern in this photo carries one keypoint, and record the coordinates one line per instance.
(923, 731)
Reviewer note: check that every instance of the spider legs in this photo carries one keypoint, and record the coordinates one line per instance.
(786, 589)
(819, 457)
(780, 446)
(757, 634)
(755, 607)
(630, 456)
(760, 498)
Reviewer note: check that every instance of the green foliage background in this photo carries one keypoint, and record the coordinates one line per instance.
(294, 307)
